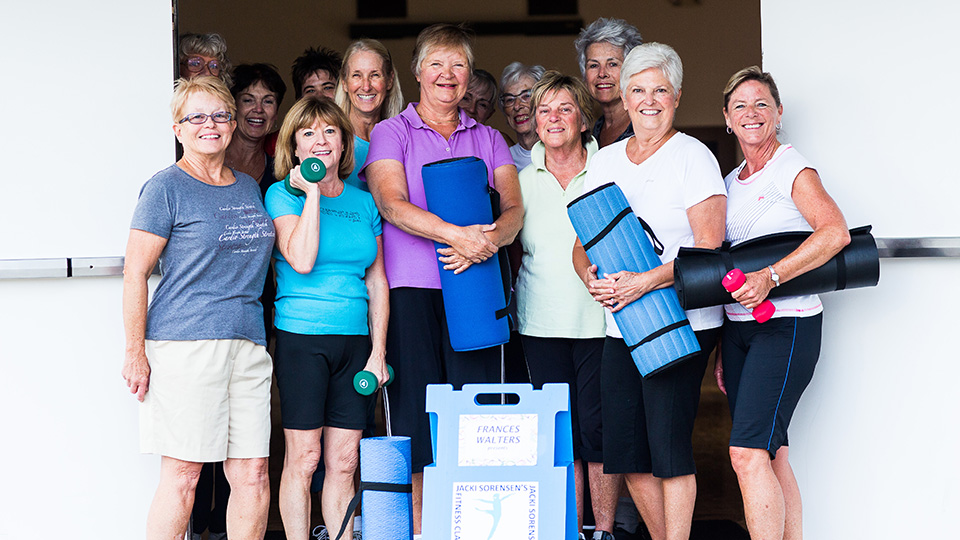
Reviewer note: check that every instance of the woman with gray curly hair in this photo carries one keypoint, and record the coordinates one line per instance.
(516, 85)
(601, 48)
(204, 54)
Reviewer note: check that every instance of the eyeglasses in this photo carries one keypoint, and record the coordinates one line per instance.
(507, 100)
(195, 65)
(219, 117)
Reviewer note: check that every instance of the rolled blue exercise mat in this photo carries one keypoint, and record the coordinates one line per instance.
(654, 327)
(698, 272)
(384, 462)
(457, 191)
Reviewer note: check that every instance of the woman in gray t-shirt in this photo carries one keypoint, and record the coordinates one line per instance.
(195, 356)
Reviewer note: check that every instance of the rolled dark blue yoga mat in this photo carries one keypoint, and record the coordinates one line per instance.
(698, 272)
(654, 327)
(386, 514)
(457, 191)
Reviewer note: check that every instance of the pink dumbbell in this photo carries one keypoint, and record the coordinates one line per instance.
(733, 281)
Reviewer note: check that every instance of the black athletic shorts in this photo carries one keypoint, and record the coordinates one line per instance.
(766, 367)
(315, 376)
(577, 363)
(648, 423)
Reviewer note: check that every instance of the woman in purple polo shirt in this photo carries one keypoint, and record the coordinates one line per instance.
(418, 345)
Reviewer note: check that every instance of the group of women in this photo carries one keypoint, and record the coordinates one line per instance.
(358, 281)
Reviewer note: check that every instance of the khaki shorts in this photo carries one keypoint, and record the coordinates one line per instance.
(208, 400)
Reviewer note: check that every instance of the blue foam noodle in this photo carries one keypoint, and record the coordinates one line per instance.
(386, 515)
(626, 246)
(456, 191)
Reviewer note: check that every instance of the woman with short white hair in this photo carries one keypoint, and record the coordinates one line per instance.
(672, 182)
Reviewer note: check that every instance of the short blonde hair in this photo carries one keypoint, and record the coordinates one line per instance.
(393, 103)
(184, 88)
(443, 35)
(310, 109)
(554, 81)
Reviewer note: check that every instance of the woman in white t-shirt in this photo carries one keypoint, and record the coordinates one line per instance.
(673, 182)
(765, 368)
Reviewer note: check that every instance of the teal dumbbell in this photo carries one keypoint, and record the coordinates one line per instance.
(365, 382)
(312, 169)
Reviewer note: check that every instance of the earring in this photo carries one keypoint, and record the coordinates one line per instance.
(729, 131)
(779, 126)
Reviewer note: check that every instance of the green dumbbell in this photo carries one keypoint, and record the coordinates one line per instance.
(365, 382)
(312, 169)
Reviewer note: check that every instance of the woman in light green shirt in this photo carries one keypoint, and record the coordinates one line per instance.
(561, 326)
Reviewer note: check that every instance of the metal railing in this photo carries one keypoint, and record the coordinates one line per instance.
(889, 248)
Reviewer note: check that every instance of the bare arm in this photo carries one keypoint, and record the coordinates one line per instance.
(708, 222)
(378, 313)
(143, 252)
(298, 237)
(830, 235)
(388, 185)
(506, 226)
(506, 182)
(588, 274)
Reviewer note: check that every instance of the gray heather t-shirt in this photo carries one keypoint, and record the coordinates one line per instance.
(219, 241)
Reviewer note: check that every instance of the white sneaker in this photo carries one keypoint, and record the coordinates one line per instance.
(320, 533)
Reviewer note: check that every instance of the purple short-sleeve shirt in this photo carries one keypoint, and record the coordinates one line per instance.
(411, 261)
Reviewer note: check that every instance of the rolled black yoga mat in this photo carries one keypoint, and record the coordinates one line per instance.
(698, 272)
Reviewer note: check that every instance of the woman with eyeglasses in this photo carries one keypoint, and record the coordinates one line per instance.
(196, 355)
(204, 54)
(516, 85)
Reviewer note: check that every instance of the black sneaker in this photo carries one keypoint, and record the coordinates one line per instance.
(603, 535)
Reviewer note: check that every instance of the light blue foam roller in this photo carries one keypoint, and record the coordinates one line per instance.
(384, 462)
(457, 192)
(654, 327)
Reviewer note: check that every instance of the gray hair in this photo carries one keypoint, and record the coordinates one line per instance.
(212, 45)
(653, 55)
(616, 32)
(516, 71)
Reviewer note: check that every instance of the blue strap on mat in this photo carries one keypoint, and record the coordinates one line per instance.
(654, 327)
(385, 486)
(457, 192)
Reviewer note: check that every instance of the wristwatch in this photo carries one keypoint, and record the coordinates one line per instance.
(774, 276)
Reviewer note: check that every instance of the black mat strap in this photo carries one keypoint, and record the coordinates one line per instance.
(606, 230)
(666, 329)
(383, 486)
(657, 244)
(370, 486)
(841, 271)
(727, 260)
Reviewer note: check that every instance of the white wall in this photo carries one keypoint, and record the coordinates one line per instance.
(869, 92)
(87, 122)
